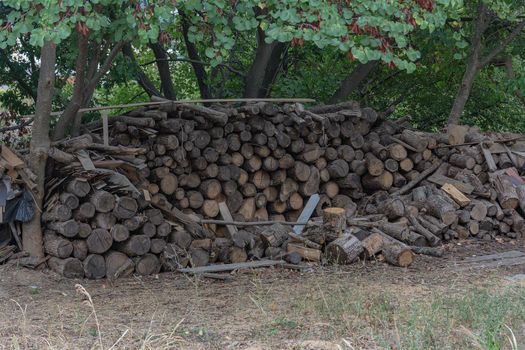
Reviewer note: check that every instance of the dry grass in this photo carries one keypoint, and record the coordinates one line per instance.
(358, 307)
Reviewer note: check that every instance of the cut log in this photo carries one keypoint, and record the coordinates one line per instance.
(344, 250)
(148, 264)
(103, 201)
(274, 235)
(168, 184)
(338, 168)
(440, 208)
(78, 187)
(105, 220)
(306, 253)
(69, 200)
(374, 166)
(334, 219)
(398, 255)
(69, 267)
(119, 233)
(157, 245)
(136, 245)
(94, 266)
(125, 208)
(478, 212)
(118, 265)
(211, 188)
(85, 212)
(59, 212)
(68, 228)
(57, 246)
(507, 195)
(99, 241)
(80, 249)
(393, 208)
(462, 161)
(372, 245)
(381, 182)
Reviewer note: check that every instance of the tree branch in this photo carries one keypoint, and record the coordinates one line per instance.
(163, 67)
(497, 50)
(196, 63)
(142, 78)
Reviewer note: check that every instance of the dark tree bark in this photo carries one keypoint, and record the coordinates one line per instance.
(72, 117)
(198, 67)
(476, 61)
(510, 74)
(78, 89)
(352, 81)
(163, 65)
(141, 77)
(264, 68)
(39, 146)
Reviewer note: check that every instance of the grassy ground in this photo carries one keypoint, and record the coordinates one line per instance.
(358, 307)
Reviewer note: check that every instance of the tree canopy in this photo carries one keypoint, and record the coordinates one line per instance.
(407, 57)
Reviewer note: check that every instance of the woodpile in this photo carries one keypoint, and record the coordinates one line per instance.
(134, 195)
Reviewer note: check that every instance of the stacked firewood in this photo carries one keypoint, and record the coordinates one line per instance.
(265, 162)
(179, 164)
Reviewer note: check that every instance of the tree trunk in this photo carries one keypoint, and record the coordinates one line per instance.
(352, 81)
(472, 66)
(166, 83)
(75, 103)
(264, 67)
(196, 63)
(32, 231)
(141, 77)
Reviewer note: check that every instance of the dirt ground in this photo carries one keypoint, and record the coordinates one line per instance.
(361, 306)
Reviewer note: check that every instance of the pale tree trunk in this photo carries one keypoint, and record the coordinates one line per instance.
(352, 81)
(32, 231)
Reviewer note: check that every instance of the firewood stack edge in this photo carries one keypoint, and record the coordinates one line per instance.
(136, 198)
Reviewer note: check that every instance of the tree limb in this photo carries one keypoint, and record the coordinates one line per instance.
(487, 59)
(142, 78)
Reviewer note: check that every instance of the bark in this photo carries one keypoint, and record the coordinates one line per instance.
(264, 67)
(476, 61)
(93, 77)
(39, 147)
(471, 67)
(163, 65)
(352, 81)
(141, 77)
(511, 75)
(198, 67)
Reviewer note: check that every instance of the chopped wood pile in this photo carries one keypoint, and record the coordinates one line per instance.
(135, 197)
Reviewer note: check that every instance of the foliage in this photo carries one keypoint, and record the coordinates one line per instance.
(364, 29)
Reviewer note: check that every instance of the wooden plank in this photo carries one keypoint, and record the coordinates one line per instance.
(503, 255)
(231, 267)
(306, 213)
(455, 194)
(488, 158)
(227, 216)
(492, 264)
(85, 160)
(105, 127)
(11, 158)
(441, 180)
